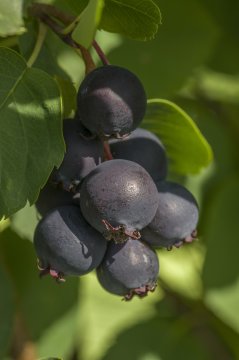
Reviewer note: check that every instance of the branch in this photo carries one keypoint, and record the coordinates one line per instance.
(39, 11)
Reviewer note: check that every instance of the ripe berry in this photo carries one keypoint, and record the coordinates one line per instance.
(82, 155)
(144, 148)
(111, 101)
(66, 245)
(129, 269)
(176, 217)
(118, 198)
(51, 197)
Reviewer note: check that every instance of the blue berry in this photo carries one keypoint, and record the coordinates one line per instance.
(144, 148)
(111, 101)
(82, 155)
(176, 218)
(129, 269)
(119, 198)
(51, 197)
(66, 245)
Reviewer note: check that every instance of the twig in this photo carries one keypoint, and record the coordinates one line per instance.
(107, 151)
(58, 30)
(100, 52)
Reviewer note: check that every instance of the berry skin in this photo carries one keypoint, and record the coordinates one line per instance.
(176, 218)
(144, 148)
(66, 245)
(82, 155)
(129, 269)
(111, 101)
(119, 198)
(51, 197)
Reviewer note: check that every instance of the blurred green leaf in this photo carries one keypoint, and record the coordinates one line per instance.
(35, 296)
(185, 41)
(7, 311)
(218, 87)
(223, 302)
(136, 19)
(225, 51)
(227, 46)
(181, 268)
(30, 131)
(11, 21)
(178, 331)
(211, 120)
(89, 19)
(220, 236)
(187, 149)
(24, 222)
(102, 316)
(60, 337)
(68, 95)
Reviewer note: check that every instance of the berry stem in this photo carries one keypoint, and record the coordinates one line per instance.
(100, 53)
(38, 9)
(107, 152)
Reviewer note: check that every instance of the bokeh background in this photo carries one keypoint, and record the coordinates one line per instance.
(193, 314)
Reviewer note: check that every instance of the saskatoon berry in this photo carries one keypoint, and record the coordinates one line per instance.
(51, 197)
(144, 148)
(111, 101)
(118, 198)
(129, 269)
(82, 155)
(176, 217)
(66, 245)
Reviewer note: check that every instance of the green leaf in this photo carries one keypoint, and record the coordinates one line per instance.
(31, 141)
(89, 19)
(187, 149)
(11, 21)
(136, 19)
(6, 311)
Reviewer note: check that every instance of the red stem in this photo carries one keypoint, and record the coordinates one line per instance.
(100, 52)
(107, 151)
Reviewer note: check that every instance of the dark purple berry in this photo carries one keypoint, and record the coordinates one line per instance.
(129, 269)
(119, 198)
(82, 155)
(66, 244)
(51, 197)
(111, 101)
(144, 148)
(176, 218)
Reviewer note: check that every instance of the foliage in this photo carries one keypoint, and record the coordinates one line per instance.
(182, 55)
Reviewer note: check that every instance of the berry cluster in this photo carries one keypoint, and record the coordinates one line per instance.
(109, 215)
